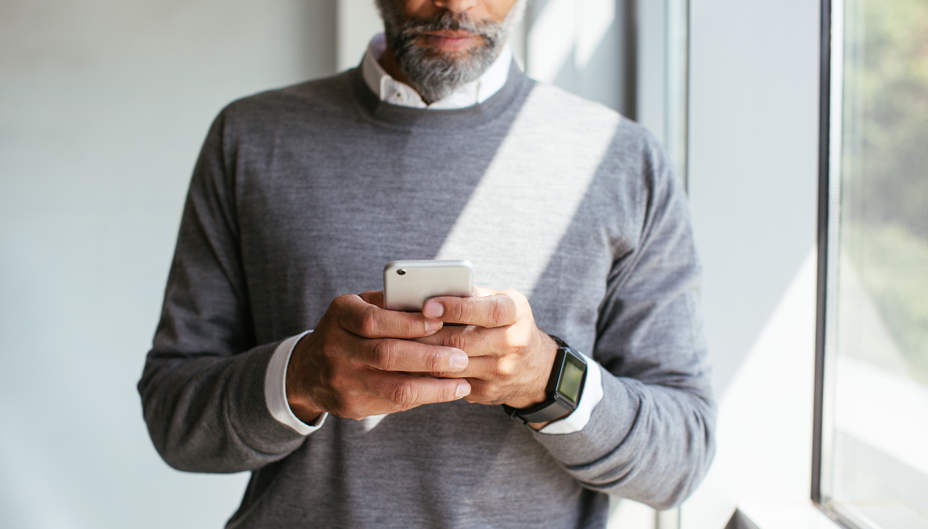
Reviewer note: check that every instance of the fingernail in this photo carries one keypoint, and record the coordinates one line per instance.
(433, 309)
(462, 391)
(432, 325)
(457, 361)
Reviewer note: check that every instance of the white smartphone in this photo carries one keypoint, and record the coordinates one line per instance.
(407, 284)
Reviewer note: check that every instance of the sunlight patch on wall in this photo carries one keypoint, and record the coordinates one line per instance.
(551, 40)
(567, 30)
(765, 417)
(594, 19)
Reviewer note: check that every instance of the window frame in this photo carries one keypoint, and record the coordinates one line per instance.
(827, 236)
(831, 119)
(823, 243)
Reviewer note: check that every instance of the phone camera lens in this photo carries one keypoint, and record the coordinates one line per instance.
(401, 272)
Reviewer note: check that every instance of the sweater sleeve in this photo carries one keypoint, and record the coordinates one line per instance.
(203, 385)
(651, 438)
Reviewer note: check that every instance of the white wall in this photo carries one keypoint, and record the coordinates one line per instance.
(752, 186)
(103, 106)
(582, 46)
(753, 154)
(358, 22)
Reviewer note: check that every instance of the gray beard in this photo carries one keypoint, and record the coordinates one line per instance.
(435, 74)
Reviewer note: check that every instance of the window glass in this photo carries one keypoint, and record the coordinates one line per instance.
(877, 449)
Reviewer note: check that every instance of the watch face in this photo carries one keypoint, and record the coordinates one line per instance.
(571, 377)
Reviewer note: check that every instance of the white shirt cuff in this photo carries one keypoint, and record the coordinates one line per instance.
(592, 395)
(275, 389)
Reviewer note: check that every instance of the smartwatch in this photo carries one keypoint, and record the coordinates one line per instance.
(565, 385)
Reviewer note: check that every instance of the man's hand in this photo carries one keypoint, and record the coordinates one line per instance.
(360, 361)
(510, 358)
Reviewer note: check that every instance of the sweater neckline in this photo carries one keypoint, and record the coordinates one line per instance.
(406, 117)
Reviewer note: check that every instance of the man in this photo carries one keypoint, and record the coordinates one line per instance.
(438, 146)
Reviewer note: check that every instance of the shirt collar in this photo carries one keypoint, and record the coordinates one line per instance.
(396, 93)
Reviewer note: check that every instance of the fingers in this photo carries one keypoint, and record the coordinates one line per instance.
(360, 361)
(366, 319)
(474, 340)
(482, 368)
(487, 393)
(508, 364)
(403, 355)
(486, 350)
(404, 392)
(495, 310)
(376, 392)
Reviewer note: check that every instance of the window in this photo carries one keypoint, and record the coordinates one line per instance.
(871, 468)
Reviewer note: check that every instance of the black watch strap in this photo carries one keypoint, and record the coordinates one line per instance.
(556, 405)
(549, 410)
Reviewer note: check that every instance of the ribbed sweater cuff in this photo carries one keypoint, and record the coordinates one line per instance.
(612, 419)
(247, 408)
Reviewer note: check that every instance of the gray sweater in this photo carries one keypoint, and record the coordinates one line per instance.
(303, 194)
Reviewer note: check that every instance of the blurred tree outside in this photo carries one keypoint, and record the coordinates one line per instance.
(884, 180)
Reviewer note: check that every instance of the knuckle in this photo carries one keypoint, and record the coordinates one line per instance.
(456, 340)
(505, 368)
(516, 299)
(435, 361)
(489, 392)
(509, 342)
(447, 393)
(386, 355)
(337, 303)
(330, 350)
(341, 302)
(455, 311)
(518, 342)
(404, 394)
(338, 381)
(351, 410)
(499, 309)
(367, 324)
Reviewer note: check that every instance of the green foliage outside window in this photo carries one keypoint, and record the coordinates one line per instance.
(884, 210)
